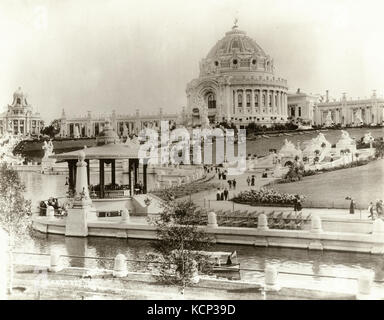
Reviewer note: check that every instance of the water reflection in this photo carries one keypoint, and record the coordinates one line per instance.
(339, 264)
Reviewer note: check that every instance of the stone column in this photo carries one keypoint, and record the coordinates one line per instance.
(55, 265)
(236, 101)
(212, 220)
(253, 108)
(76, 222)
(120, 266)
(270, 278)
(267, 101)
(364, 283)
(244, 101)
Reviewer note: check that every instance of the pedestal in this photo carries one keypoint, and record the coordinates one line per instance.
(76, 222)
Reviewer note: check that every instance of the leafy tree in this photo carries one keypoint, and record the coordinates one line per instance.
(295, 172)
(53, 129)
(14, 210)
(180, 243)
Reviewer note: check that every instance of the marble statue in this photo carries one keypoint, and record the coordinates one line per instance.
(346, 142)
(357, 117)
(125, 130)
(76, 133)
(368, 139)
(328, 120)
(48, 149)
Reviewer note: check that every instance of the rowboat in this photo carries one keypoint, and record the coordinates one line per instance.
(223, 262)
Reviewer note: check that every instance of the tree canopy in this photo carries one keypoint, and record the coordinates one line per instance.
(180, 239)
(14, 208)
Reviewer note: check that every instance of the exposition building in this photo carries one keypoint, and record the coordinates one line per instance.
(238, 84)
(91, 125)
(19, 118)
(353, 112)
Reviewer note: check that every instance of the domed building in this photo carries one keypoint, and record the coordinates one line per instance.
(20, 118)
(237, 83)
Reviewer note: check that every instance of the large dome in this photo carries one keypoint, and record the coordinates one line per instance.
(235, 41)
(236, 52)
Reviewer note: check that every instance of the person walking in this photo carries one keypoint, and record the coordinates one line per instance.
(219, 174)
(352, 207)
(234, 183)
(230, 184)
(218, 194)
(298, 205)
(221, 194)
(379, 208)
(295, 204)
(253, 181)
(248, 181)
(371, 211)
(226, 192)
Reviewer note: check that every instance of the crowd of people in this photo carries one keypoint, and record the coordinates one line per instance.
(222, 194)
(54, 203)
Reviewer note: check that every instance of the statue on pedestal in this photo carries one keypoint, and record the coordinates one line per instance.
(368, 139)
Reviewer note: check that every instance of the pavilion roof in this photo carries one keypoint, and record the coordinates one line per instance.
(106, 151)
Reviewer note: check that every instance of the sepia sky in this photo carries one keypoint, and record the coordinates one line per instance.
(117, 54)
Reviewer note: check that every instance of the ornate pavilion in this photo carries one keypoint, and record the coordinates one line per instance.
(108, 149)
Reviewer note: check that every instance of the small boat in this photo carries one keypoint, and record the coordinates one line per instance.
(288, 134)
(230, 263)
(265, 136)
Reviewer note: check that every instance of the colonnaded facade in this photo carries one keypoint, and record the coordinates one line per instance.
(90, 125)
(302, 107)
(350, 112)
(238, 84)
(19, 118)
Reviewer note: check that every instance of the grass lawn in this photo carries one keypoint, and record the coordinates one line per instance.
(363, 184)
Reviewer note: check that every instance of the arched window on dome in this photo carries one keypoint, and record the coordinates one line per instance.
(235, 44)
(239, 100)
(256, 100)
(211, 101)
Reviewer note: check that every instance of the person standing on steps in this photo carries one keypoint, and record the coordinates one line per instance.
(226, 192)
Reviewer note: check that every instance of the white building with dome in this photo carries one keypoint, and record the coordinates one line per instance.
(238, 84)
(19, 118)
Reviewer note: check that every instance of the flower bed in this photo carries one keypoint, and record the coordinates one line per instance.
(265, 197)
(184, 190)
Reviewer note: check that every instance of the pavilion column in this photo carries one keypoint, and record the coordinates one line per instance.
(130, 177)
(267, 101)
(71, 175)
(101, 178)
(145, 178)
(113, 172)
(88, 172)
(136, 171)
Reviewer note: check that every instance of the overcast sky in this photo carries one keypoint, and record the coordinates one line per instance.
(102, 55)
